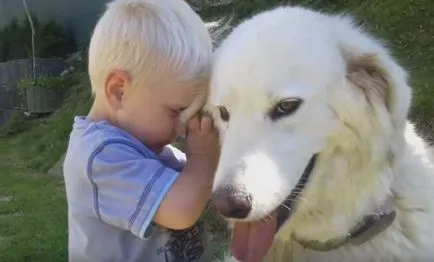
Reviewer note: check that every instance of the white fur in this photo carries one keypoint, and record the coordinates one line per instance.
(356, 101)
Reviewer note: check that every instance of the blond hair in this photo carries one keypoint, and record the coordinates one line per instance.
(138, 35)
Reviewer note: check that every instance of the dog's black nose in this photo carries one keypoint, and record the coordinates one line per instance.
(232, 202)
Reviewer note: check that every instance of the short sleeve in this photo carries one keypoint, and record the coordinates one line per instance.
(177, 154)
(128, 185)
(173, 157)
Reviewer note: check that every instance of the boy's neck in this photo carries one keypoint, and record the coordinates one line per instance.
(99, 112)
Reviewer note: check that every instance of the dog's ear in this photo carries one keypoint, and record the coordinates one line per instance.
(366, 75)
(372, 69)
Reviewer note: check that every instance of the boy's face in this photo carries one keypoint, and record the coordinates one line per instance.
(151, 114)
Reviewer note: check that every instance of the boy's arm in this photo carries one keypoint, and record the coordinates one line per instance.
(187, 198)
(132, 190)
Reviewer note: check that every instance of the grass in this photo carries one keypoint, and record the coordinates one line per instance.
(33, 224)
(407, 28)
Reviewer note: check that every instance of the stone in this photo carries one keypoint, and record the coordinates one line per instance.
(5, 199)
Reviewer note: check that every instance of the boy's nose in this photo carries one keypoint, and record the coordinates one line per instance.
(232, 202)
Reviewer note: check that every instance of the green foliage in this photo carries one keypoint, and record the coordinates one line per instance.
(45, 139)
(73, 86)
(78, 60)
(53, 41)
(57, 85)
(50, 40)
(51, 83)
(239, 10)
(16, 125)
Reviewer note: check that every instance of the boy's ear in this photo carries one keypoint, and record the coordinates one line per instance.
(115, 86)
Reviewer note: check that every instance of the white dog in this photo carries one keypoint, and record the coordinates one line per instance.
(318, 161)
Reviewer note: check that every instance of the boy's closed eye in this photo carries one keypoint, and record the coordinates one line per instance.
(176, 111)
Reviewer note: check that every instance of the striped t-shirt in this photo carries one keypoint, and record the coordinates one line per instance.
(114, 185)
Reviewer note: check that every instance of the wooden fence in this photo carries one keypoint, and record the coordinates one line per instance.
(12, 72)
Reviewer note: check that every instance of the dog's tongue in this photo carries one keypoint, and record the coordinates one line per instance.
(251, 240)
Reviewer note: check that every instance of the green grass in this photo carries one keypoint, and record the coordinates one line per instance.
(407, 27)
(33, 224)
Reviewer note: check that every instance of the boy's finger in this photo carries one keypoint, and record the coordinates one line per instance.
(181, 129)
(206, 124)
(193, 123)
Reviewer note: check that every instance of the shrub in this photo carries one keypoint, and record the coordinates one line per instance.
(16, 125)
(50, 41)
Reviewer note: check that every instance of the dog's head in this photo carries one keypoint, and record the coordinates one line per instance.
(288, 85)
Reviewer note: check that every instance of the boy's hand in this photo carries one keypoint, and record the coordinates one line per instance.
(202, 139)
(187, 198)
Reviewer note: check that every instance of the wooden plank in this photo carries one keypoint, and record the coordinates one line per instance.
(6, 115)
(11, 72)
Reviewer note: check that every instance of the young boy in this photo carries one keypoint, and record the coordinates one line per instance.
(131, 196)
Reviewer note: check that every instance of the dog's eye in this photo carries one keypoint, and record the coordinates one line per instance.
(285, 107)
(224, 113)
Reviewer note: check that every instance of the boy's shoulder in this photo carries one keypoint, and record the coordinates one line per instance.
(102, 132)
(87, 137)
